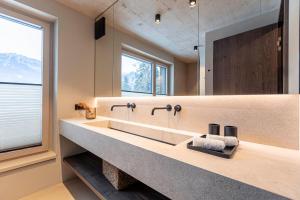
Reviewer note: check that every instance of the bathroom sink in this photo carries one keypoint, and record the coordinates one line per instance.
(152, 133)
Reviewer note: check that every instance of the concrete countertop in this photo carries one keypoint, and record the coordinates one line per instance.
(276, 170)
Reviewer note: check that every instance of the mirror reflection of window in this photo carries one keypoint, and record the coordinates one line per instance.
(136, 77)
(161, 80)
(143, 77)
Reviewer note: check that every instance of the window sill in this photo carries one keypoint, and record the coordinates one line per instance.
(13, 164)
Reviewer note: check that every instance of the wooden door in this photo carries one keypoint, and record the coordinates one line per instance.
(248, 63)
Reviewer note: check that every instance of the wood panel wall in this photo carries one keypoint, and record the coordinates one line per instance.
(248, 63)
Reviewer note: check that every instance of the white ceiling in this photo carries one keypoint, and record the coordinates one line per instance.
(178, 30)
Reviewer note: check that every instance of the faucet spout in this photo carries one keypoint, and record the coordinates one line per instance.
(127, 106)
(168, 108)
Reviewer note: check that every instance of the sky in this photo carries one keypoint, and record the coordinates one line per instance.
(20, 39)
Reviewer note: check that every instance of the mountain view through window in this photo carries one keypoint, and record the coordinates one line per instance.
(20, 52)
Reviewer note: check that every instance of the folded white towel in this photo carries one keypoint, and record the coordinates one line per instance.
(211, 144)
(229, 141)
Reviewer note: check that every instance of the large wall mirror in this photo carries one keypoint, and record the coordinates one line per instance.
(188, 47)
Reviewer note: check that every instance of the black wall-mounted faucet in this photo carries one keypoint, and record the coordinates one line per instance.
(177, 109)
(128, 105)
(132, 106)
(168, 108)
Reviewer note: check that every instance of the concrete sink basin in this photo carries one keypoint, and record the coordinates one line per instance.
(145, 131)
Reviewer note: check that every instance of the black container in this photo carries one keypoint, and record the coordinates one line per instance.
(214, 129)
(230, 131)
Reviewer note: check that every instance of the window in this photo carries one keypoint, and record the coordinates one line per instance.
(24, 85)
(161, 80)
(142, 76)
(136, 76)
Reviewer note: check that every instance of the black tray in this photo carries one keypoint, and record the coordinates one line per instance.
(228, 152)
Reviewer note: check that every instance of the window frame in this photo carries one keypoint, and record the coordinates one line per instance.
(46, 60)
(162, 65)
(154, 63)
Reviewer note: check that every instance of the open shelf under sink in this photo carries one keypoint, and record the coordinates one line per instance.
(88, 168)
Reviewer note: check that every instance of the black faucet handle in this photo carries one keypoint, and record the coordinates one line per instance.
(169, 107)
(177, 108)
(132, 106)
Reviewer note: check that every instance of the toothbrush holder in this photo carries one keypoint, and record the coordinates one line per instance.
(230, 131)
(214, 129)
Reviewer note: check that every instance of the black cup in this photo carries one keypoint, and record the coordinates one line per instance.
(230, 131)
(214, 129)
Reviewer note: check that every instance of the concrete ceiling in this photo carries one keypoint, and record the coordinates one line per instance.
(178, 31)
(91, 8)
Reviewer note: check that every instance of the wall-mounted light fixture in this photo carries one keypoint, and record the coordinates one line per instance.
(157, 19)
(196, 48)
(192, 3)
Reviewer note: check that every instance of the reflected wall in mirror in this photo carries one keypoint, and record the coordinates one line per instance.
(214, 48)
(104, 54)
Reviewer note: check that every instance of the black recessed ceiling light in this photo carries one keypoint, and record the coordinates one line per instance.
(193, 3)
(157, 18)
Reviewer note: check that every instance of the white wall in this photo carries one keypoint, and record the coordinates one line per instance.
(104, 55)
(191, 80)
(74, 69)
(293, 47)
(180, 73)
(202, 70)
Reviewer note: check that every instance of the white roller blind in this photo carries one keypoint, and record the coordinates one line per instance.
(20, 116)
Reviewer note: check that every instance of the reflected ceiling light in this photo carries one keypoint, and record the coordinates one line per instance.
(193, 3)
(157, 19)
